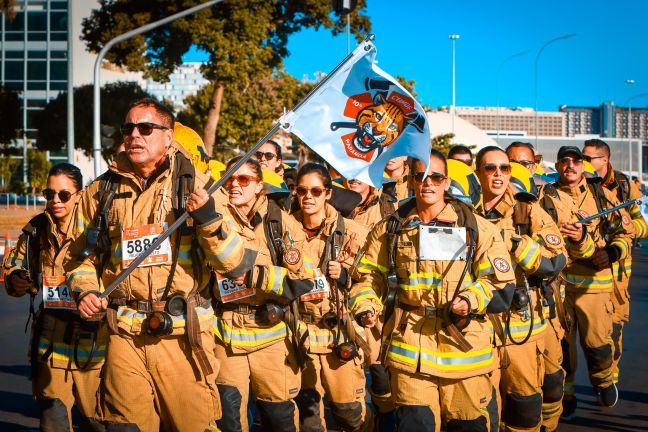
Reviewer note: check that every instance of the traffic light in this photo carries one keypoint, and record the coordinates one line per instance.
(343, 7)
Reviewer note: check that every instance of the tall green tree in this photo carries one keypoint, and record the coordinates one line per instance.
(250, 111)
(39, 167)
(245, 39)
(8, 166)
(115, 100)
(10, 115)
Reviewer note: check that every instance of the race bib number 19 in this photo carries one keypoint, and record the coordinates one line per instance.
(56, 294)
(320, 290)
(136, 240)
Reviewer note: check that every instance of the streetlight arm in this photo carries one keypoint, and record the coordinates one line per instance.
(96, 141)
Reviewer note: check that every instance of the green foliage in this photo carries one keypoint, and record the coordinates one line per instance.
(249, 108)
(443, 143)
(10, 115)
(115, 100)
(18, 187)
(8, 166)
(408, 85)
(39, 166)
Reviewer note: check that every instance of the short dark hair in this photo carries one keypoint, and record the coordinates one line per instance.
(516, 144)
(433, 153)
(70, 171)
(162, 110)
(598, 144)
(312, 167)
(277, 147)
(480, 155)
(251, 162)
(459, 149)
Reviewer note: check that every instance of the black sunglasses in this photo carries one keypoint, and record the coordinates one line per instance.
(63, 195)
(590, 158)
(490, 168)
(524, 163)
(268, 155)
(437, 178)
(144, 128)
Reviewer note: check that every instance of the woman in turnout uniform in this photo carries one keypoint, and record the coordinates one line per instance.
(66, 352)
(253, 342)
(269, 157)
(332, 370)
(536, 247)
(439, 373)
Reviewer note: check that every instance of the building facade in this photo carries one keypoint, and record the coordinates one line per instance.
(514, 121)
(186, 81)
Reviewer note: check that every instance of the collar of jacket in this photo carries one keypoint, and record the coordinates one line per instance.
(574, 191)
(330, 219)
(124, 167)
(258, 211)
(610, 181)
(447, 216)
(503, 207)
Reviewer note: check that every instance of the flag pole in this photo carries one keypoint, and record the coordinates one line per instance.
(183, 217)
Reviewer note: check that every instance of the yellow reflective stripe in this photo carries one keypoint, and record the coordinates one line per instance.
(588, 252)
(403, 352)
(484, 268)
(130, 316)
(367, 266)
(641, 229)
(589, 281)
(623, 245)
(457, 361)
(248, 337)
(422, 281)
(276, 276)
(231, 246)
(483, 296)
(529, 255)
(364, 294)
(65, 352)
(309, 266)
(520, 329)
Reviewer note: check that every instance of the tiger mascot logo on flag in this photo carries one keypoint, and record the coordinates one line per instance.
(381, 115)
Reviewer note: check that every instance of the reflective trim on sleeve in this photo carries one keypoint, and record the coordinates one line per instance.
(529, 255)
(367, 266)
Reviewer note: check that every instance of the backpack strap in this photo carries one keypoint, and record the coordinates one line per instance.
(623, 192)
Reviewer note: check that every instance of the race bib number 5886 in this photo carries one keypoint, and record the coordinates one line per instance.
(136, 240)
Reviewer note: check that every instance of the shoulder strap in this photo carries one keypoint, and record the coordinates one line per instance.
(273, 232)
(624, 186)
(387, 204)
(547, 201)
(183, 180)
(36, 232)
(521, 217)
(598, 194)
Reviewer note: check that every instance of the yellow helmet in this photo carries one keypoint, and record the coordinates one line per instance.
(464, 184)
(273, 182)
(590, 173)
(193, 143)
(522, 183)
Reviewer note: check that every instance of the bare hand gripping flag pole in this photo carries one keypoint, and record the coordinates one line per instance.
(361, 118)
(357, 118)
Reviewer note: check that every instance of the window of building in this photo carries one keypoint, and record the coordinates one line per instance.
(14, 70)
(14, 54)
(58, 70)
(13, 85)
(36, 85)
(58, 5)
(36, 70)
(58, 21)
(58, 54)
(58, 85)
(14, 36)
(17, 24)
(58, 36)
(37, 36)
(37, 21)
(37, 54)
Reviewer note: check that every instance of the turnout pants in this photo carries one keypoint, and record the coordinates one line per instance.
(591, 315)
(620, 317)
(56, 390)
(274, 377)
(342, 383)
(424, 401)
(554, 378)
(149, 380)
(521, 386)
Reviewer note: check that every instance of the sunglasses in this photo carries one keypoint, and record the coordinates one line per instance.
(490, 168)
(63, 195)
(436, 178)
(467, 161)
(590, 158)
(302, 191)
(144, 128)
(524, 163)
(265, 155)
(243, 180)
(567, 160)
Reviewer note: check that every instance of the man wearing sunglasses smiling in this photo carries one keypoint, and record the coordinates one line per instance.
(153, 182)
(433, 380)
(588, 281)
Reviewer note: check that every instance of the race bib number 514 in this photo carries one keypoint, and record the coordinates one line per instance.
(56, 294)
(136, 240)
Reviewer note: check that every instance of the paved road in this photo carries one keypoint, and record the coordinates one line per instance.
(19, 413)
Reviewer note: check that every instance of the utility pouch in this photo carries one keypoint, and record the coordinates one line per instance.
(346, 351)
(176, 305)
(158, 324)
(270, 314)
(329, 320)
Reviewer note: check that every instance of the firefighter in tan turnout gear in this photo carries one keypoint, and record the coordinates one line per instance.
(589, 282)
(597, 152)
(66, 352)
(254, 343)
(160, 365)
(443, 266)
(536, 247)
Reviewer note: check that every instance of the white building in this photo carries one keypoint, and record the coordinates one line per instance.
(185, 81)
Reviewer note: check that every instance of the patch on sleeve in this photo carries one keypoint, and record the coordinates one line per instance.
(553, 239)
(626, 220)
(501, 265)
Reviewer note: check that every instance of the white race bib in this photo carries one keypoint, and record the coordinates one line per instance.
(442, 243)
(320, 290)
(56, 294)
(136, 240)
(230, 291)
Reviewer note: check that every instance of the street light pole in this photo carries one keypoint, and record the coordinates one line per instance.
(535, 114)
(629, 105)
(453, 38)
(96, 137)
(497, 83)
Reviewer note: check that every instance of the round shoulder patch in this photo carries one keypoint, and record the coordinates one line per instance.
(552, 239)
(291, 256)
(582, 213)
(502, 265)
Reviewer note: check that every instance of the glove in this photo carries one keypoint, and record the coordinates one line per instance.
(206, 214)
(294, 288)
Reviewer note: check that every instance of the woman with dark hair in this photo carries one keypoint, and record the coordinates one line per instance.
(335, 368)
(269, 157)
(66, 352)
(254, 337)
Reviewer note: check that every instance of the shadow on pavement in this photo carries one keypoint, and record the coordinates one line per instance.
(18, 403)
(20, 370)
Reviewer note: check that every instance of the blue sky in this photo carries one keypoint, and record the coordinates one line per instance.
(412, 40)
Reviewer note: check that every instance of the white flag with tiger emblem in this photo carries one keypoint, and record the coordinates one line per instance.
(359, 118)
